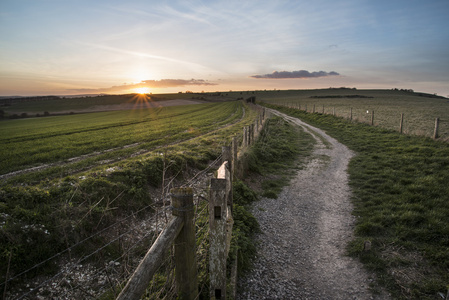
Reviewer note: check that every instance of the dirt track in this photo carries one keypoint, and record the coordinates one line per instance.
(305, 231)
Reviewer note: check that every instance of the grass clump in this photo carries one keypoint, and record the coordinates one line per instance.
(401, 201)
(276, 153)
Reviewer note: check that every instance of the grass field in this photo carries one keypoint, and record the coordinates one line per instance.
(73, 104)
(420, 110)
(94, 167)
(401, 199)
(98, 167)
(107, 135)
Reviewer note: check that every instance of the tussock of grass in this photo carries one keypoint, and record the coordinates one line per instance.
(276, 152)
(401, 199)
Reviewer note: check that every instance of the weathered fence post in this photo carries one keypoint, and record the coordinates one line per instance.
(234, 150)
(219, 217)
(251, 133)
(245, 138)
(437, 125)
(402, 122)
(185, 253)
(139, 281)
(350, 115)
(334, 111)
(372, 117)
(313, 109)
(227, 156)
(323, 110)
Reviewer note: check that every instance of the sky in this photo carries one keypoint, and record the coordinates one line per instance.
(66, 47)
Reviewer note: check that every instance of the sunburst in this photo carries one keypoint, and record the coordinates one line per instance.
(142, 90)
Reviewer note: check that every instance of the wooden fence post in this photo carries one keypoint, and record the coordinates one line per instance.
(139, 281)
(372, 117)
(218, 219)
(185, 254)
(323, 110)
(334, 111)
(313, 109)
(402, 122)
(227, 156)
(437, 125)
(245, 140)
(350, 115)
(251, 133)
(234, 151)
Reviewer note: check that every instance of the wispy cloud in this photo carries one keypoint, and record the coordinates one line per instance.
(163, 83)
(296, 74)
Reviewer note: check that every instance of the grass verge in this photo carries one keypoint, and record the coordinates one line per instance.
(279, 151)
(401, 201)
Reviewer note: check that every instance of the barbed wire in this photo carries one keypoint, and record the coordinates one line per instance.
(73, 246)
(192, 180)
(78, 262)
(127, 252)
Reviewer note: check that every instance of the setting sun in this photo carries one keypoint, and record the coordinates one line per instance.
(143, 90)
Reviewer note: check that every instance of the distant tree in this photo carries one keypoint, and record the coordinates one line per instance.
(46, 113)
(24, 115)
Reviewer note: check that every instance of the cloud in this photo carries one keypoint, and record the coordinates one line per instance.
(296, 74)
(163, 83)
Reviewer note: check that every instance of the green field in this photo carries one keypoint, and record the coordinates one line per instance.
(107, 135)
(91, 169)
(420, 110)
(72, 104)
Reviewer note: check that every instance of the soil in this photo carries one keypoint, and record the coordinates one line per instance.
(301, 251)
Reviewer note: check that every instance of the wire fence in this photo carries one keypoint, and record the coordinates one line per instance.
(412, 121)
(132, 235)
(105, 269)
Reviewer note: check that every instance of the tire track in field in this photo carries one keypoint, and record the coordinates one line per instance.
(98, 153)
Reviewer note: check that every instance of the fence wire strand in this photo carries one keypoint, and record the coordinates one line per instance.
(167, 268)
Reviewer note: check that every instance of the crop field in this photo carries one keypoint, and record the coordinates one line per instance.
(103, 136)
(67, 177)
(419, 110)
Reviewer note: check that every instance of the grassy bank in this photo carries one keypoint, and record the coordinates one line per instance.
(279, 151)
(401, 199)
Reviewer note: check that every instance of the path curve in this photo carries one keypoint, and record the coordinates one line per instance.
(301, 252)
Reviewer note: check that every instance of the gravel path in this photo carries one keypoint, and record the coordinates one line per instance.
(301, 253)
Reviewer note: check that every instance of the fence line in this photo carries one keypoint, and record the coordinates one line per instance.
(220, 231)
(239, 142)
(350, 115)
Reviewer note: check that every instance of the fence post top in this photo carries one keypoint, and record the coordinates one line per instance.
(180, 192)
(182, 201)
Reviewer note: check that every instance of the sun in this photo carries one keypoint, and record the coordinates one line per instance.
(142, 90)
